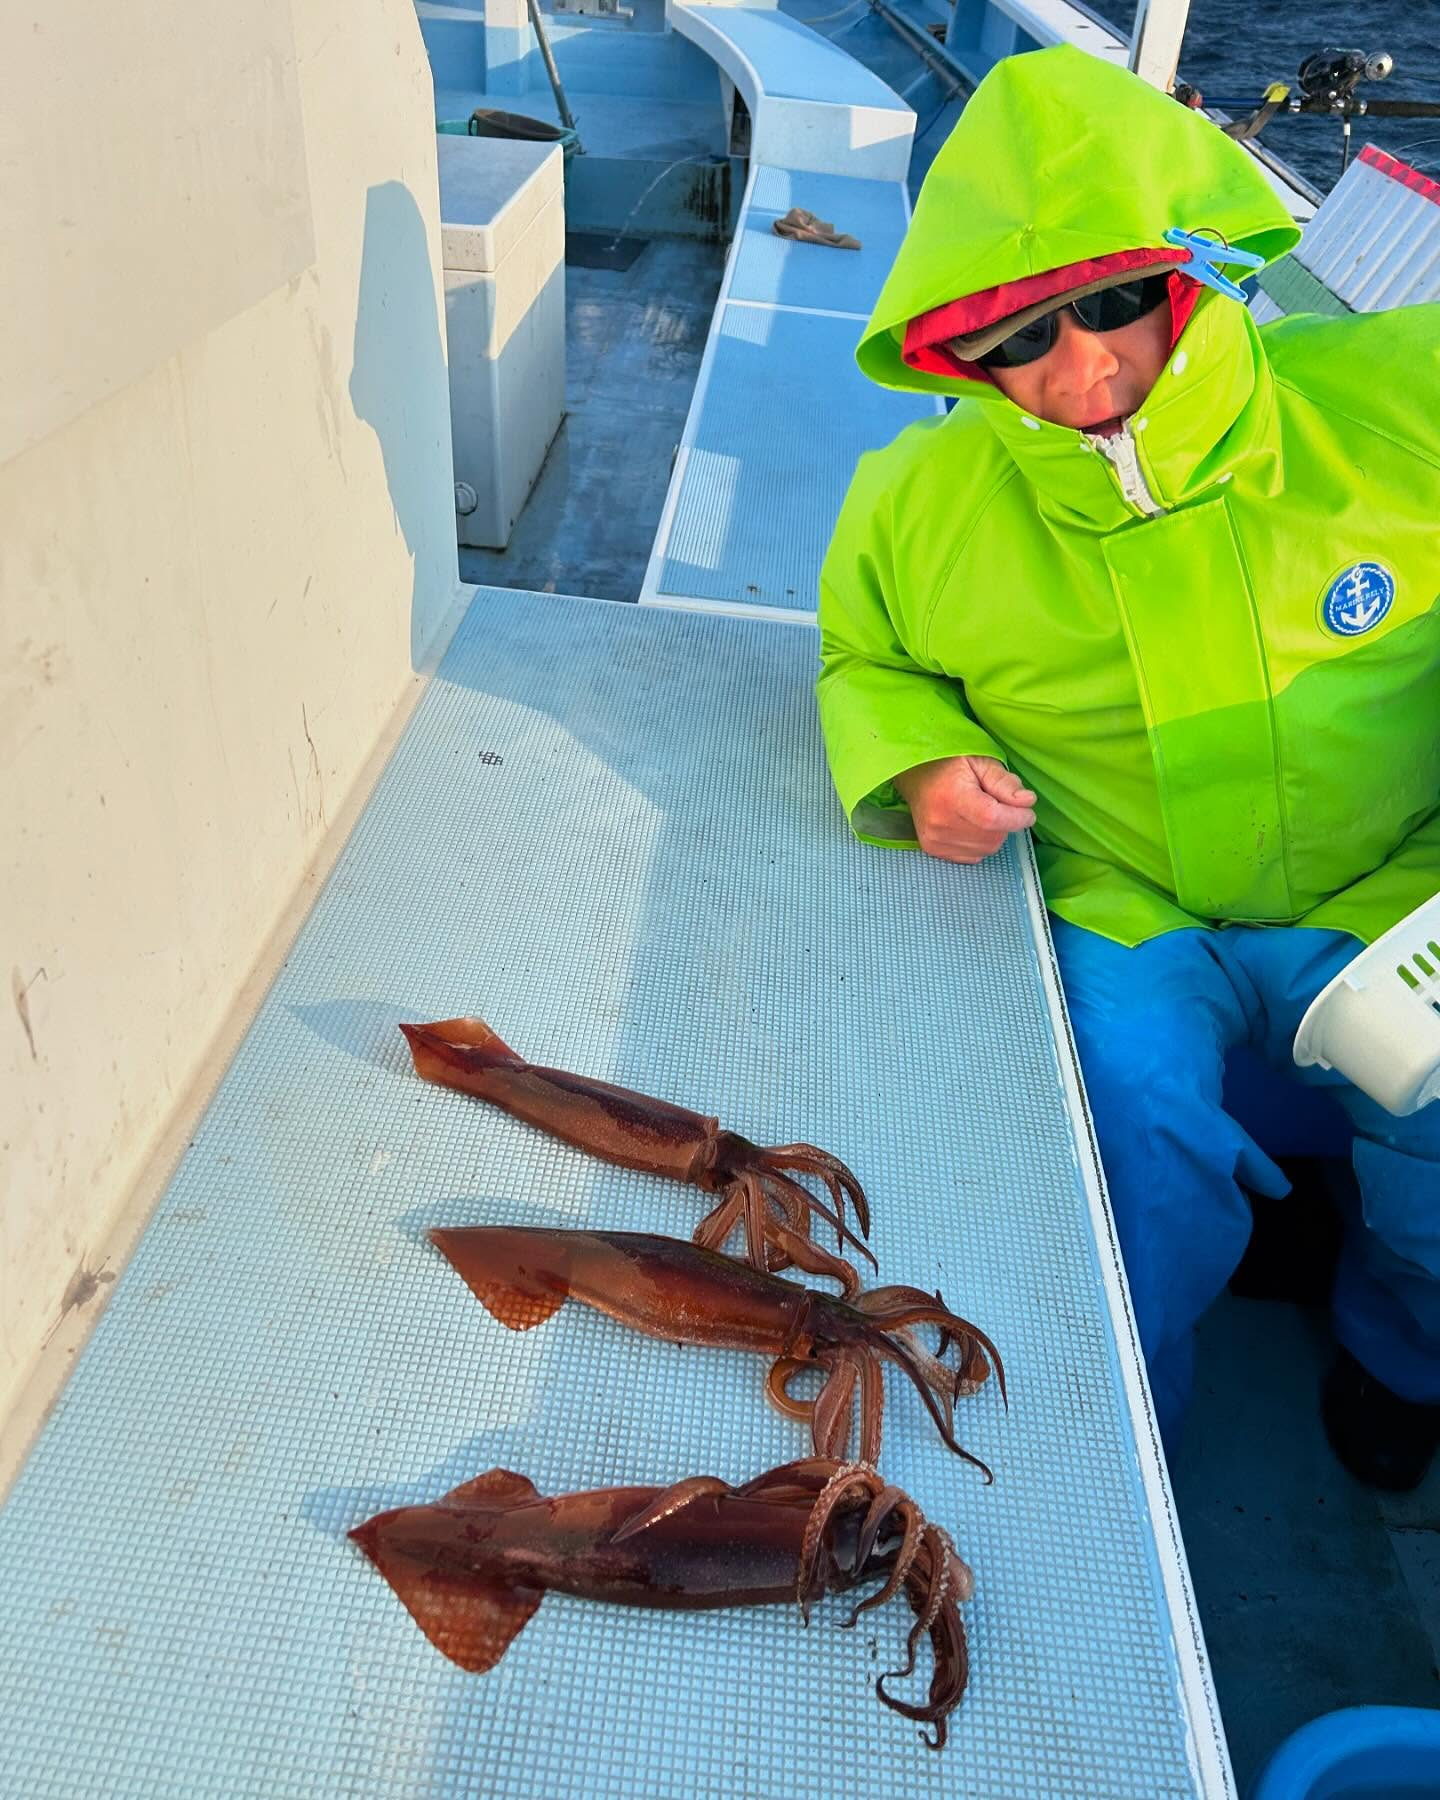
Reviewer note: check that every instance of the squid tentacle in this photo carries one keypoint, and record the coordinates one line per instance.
(946, 1383)
(940, 1582)
(932, 1586)
(945, 1333)
(804, 1253)
(938, 1585)
(756, 1222)
(890, 1503)
(974, 1370)
(872, 1408)
(833, 1215)
(790, 1201)
(944, 1551)
(719, 1222)
(926, 1566)
(839, 1488)
(669, 1501)
(900, 1353)
(811, 1160)
(900, 1292)
(779, 1393)
(803, 1481)
(777, 1180)
(903, 1566)
(892, 1309)
(791, 1244)
(771, 1244)
(831, 1418)
(831, 1413)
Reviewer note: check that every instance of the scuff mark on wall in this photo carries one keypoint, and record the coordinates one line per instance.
(20, 993)
(295, 783)
(328, 390)
(315, 780)
(50, 663)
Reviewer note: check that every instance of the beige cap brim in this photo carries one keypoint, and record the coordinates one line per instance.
(975, 343)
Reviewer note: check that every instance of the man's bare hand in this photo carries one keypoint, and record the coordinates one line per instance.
(964, 807)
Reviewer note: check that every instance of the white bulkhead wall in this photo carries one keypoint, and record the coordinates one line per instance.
(226, 545)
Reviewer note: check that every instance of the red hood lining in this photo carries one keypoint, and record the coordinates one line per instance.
(926, 348)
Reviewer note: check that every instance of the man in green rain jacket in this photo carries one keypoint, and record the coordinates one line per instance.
(1166, 586)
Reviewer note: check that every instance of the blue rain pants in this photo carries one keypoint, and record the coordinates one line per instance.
(1153, 1026)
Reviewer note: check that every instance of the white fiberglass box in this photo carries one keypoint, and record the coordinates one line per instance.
(502, 219)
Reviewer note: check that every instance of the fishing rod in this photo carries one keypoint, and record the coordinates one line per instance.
(1326, 84)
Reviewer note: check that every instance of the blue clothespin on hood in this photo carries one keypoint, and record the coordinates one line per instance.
(1205, 253)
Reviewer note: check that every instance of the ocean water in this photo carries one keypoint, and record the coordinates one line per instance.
(1237, 47)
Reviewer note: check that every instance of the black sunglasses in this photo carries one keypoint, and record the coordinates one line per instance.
(1109, 310)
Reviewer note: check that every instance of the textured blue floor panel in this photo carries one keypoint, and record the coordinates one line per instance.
(795, 63)
(608, 830)
(754, 512)
(779, 270)
(867, 207)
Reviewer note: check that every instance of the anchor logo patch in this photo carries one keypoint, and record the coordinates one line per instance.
(1358, 599)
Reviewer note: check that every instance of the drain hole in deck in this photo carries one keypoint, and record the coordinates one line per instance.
(601, 250)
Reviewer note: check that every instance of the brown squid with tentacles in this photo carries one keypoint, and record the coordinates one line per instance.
(472, 1568)
(757, 1184)
(686, 1294)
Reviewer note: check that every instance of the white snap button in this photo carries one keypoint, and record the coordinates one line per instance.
(1226, 477)
(1178, 366)
(1140, 424)
(1029, 423)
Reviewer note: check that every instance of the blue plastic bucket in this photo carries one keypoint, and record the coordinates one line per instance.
(1360, 1753)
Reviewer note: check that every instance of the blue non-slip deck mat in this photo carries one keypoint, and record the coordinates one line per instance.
(783, 271)
(795, 63)
(608, 830)
(772, 455)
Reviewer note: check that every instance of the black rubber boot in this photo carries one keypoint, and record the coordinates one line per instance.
(1384, 1441)
(1295, 1242)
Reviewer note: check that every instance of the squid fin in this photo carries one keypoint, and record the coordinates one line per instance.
(448, 1044)
(476, 1035)
(503, 1486)
(670, 1501)
(521, 1308)
(468, 1618)
(471, 1621)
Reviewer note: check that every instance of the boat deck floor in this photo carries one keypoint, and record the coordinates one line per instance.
(634, 340)
(611, 829)
(1314, 1592)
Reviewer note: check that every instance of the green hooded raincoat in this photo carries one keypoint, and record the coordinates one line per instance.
(1218, 726)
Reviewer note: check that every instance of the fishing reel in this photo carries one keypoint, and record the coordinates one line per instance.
(1325, 84)
(1327, 79)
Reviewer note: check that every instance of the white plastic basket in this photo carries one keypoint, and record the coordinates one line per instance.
(1378, 1021)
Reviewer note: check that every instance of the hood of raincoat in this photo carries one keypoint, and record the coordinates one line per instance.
(1209, 641)
(1061, 159)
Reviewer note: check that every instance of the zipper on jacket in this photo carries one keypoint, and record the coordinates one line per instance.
(1119, 449)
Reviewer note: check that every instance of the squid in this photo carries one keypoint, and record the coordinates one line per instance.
(756, 1185)
(472, 1568)
(686, 1294)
